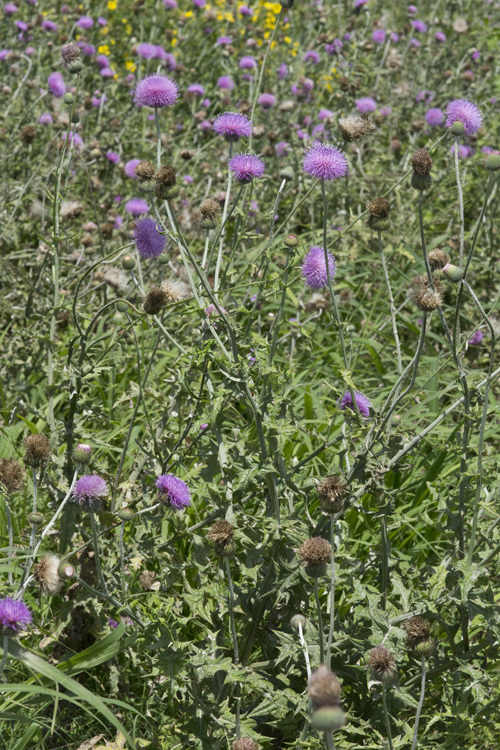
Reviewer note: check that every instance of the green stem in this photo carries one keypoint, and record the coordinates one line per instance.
(320, 621)
(332, 593)
(391, 304)
(420, 706)
(386, 716)
(96, 554)
(5, 654)
(224, 219)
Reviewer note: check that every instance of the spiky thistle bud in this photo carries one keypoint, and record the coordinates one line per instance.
(418, 635)
(68, 98)
(323, 688)
(147, 187)
(155, 300)
(11, 475)
(331, 491)
(287, 174)
(291, 240)
(315, 553)
(75, 66)
(421, 182)
(37, 450)
(381, 664)
(287, 4)
(246, 743)
(354, 127)
(328, 719)
(47, 574)
(221, 534)
(128, 263)
(453, 273)
(458, 128)
(145, 170)
(378, 219)
(421, 161)
(296, 621)
(82, 454)
(35, 518)
(438, 259)
(65, 571)
(492, 162)
(125, 514)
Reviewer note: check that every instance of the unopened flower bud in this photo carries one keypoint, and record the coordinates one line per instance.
(328, 719)
(75, 66)
(82, 453)
(458, 128)
(287, 174)
(128, 263)
(148, 187)
(122, 306)
(66, 571)
(126, 514)
(453, 273)
(421, 182)
(69, 98)
(291, 240)
(287, 4)
(35, 518)
(492, 162)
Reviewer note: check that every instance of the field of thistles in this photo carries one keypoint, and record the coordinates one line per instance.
(249, 430)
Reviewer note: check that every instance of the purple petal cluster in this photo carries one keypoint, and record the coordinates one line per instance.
(314, 268)
(57, 87)
(366, 104)
(174, 490)
(14, 616)
(156, 91)
(325, 162)
(246, 167)
(233, 126)
(149, 242)
(89, 491)
(434, 117)
(136, 207)
(362, 402)
(461, 110)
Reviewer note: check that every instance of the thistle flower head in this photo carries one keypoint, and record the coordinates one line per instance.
(363, 403)
(331, 491)
(221, 534)
(14, 616)
(323, 688)
(144, 170)
(149, 242)
(314, 268)
(438, 258)
(381, 664)
(37, 450)
(232, 126)
(156, 91)
(428, 299)
(69, 53)
(464, 111)
(325, 162)
(155, 300)
(246, 743)
(175, 290)
(421, 161)
(174, 491)
(47, 574)
(246, 167)
(354, 127)
(418, 635)
(315, 553)
(11, 475)
(379, 207)
(89, 491)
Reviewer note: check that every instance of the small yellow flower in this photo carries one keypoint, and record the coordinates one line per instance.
(130, 65)
(103, 49)
(112, 4)
(189, 14)
(288, 40)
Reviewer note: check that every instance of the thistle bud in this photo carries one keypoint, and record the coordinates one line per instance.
(75, 66)
(492, 162)
(128, 263)
(35, 518)
(296, 621)
(82, 453)
(69, 98)
(291, 240)
(458, 128)
(126, 514)
(147, 187)
(453, 273)
(65, 571)
(286, 4)
(421, 182)
(287, 174)
(331, 491)
(171, 193)
(122, 306)
(328, 719)
(315, 553)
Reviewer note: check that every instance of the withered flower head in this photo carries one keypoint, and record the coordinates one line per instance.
(323, 688)
(421, 161)
(37, 450)
(354, 127)
(245, 743)
(315, 553)
(382, 665)
(428, 299)
(438, 259)
(331, 491)
(418, 634)
(210, 208)
(11, 475)
(145, 170)
(379, 207)
(221, 534)
(175, 290)
(155, 300)
(28, 134)
(47, 574)
(166, 176)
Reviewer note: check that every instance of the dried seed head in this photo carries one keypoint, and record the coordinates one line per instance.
(354, 127)
(418, 634)
(428, 299)
(28, 134)
(37, 450)
(69, 53)
(331, 491)
(438, 259)
(71, 209)
(165, 177)
(186, 154)
(175, 290)
(323, 688)
(421, 162)
(245, 743)
(296, 621)
(145, 170)
(315, 553)
(155, 300)
(221, 534)
(210, 209)
(11, 475)
(146, 579)
(47, 575)
(382, 665)
(379, 207)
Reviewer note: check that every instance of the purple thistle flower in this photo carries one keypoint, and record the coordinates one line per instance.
(149, 242)
(476, 338)
(233, 126)
(75, 138)
(45, 119)
(362, 402)
(14, 616)
(334, 47)
(412, 9)
(420, 27)
(85, 22)
(282, 71)
(461, 110)
(146, 50)
(246, 167)
(223, 40)
(244, 10)
(266, 100)
(136, 207)
(10, 9)
(57, 87)
(196, 89)
(325, 162)
(378, 36)
(89, 491)
(49, 25)
(366, 104)
(174, 490)
(156, 91)
(415, 43)
(225, 82)
(434, 117)
(314, 268)
(311, 55)
(325, 114)
(247, 62)
(129, 168)
(439, 36)
(113, 157)
(170, 4)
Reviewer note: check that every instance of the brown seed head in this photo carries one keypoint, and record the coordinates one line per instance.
(165, 177)
(323, 688)
(146, 579)
(331, 491)
(315, 553)
(11, 475)
(145, 170)
(69, 53)
(210, 209)
(438, 259)
(175, 290)
(47, 574)
(37, 450)
(155, 301)
(421, 162)
(221, 534)
(428, 299)
(354, 127)
(379, 207)
(245, 743)
(28, 134)
(382, 665)
(418, 634)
